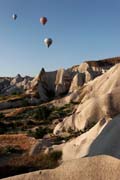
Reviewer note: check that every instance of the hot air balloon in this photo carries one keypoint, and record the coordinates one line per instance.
(14, 16)
(48, 42)
(43, 20)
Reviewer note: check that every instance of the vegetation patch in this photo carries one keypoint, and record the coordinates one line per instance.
(41, 113)
(24, 164)
(40, 132)
(8, 150)
(16, 140)
(1, 115)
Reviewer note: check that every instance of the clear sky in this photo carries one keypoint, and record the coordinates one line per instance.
(80, 29)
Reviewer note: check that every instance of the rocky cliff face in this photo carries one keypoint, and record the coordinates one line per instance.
(62, 82)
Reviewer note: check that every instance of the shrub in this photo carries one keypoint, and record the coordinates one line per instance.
(55, 155)
(40, 132)
(25, 102)
(16, 93)
(1, 115)
(89, 126)
(30, 123)
(42, 113)
(10, 150)
(60, 112)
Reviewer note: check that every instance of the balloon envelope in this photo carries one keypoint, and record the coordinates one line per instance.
(14, 16)
(43, 20)
(48, 42)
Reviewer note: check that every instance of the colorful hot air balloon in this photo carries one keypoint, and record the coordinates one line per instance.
(14, 16)
(48, 42)
(43, 20)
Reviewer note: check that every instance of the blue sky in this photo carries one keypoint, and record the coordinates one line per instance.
(80, 29)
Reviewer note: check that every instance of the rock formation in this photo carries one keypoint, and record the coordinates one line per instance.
(93, 90)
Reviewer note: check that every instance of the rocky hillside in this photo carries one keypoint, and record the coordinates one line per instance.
(75, 111)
